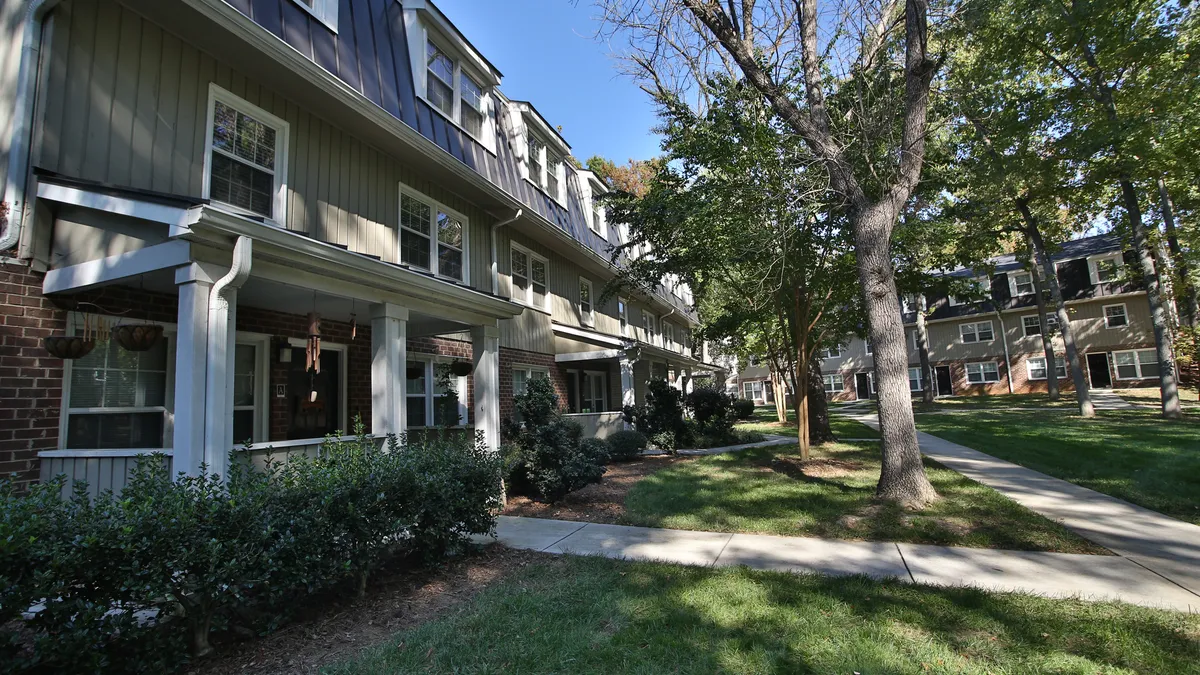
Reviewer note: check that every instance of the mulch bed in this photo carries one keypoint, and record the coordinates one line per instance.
(603, 502)
(395, 600)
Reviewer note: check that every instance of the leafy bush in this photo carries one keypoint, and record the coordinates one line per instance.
(661, 417)
(625, 445)
(743, 408)
(136, 582)
(712, 409)
(547, 456)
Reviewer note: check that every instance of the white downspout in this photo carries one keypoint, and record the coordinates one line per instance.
(22, 136)
(218, 439)
(495, 251)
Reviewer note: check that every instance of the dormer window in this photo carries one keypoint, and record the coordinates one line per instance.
(553, 162)
(325, 11)
(1105, 269)
(454, 92)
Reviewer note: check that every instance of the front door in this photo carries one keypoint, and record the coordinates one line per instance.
(862, 386)
(945, 386)
(1098, 371)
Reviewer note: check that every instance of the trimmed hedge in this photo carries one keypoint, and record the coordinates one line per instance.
(136, 583)
(743, 408)
(547, 456)
(625, 445)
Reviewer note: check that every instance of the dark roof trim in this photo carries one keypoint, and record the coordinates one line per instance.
(165, 198)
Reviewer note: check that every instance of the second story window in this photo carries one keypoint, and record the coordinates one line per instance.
(528, 273)
(1105, 269)
(597, 217)
(586, 315)
(623, 316)
(648, 322)
(976, 332)
(432, 237)
(454, 91)
(1022, 283)
(668, 335)
(246, 158)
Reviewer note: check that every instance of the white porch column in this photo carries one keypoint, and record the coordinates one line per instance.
(191, 344)
(389, 356)
(628, 395)
(222, 342)
(485, 347)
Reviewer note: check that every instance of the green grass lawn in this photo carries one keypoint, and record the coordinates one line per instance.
(766, 422)
(1152, 396)
(1067, 401)
(768, 490)
(1134, 455)
(593, 615)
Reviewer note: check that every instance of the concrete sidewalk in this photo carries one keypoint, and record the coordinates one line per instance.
(1160, 543)
(1050, 574)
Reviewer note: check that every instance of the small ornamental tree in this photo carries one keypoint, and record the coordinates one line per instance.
(547, 458)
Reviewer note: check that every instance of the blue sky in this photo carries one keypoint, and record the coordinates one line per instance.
(548, 57)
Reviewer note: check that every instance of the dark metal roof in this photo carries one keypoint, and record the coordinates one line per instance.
(166, 198)
(1070, 250)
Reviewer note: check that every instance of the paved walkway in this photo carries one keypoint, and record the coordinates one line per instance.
(1167, 546)
(1107, 399)
(1051, 574)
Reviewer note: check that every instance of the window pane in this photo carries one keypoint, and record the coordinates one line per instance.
(1037, 369)
(1032, 326)
(539, 272)
(243, 426)
(1127, 372)
(243, 376)
(241, 185)
(450, 230)
(520, 382)
(107, 431)
(416, 411)
(415, 385)
(450, 262)
(985, 331)
(415, 214)
(1149, 362)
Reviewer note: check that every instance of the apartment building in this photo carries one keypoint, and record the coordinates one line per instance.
(990, 343)
(293, 213)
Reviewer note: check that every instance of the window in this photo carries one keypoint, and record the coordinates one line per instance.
(597, 216)
(648, 327)
(426, 389)
(325, 11)
(915, 344)
(536, 163)
(523, 374)
(585, 302)
(976, 332)
(1105, 269)
(1037, 368)
(593, 386)
(834, 384)
(980, 373)
(623, 316)
(245, 156)
(553, 164)
(420, 218)
(832, 352)
(979, 289)
(753, 391)
(914, 379)
(245, 400)
(1114, 316)
(870, 348)
(1032, 326)
(118, 398)
(528, 278)
(454, 92)
(668, 330)
(1133, 365)
(1022, 283)
(908, 303)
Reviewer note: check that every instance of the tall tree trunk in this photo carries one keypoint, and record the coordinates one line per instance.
(1189, 300)
(927, 386)
(1082, 391)
(801, 389)
(1044, 325)
(1167, 385)
(902, 478)
(780, 391)
(819, 430)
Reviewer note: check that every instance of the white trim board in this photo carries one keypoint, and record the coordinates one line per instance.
(115, 267)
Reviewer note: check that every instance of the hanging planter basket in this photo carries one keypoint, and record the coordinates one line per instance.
(461, 368)
(68, 347)
(414, 372)
(138, 337)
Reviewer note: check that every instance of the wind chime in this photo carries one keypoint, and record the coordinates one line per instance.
(353, 318)
(312, 351)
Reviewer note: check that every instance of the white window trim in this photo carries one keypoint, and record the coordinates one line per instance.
(920, 386)
(831, 353)
(1092, 261)
(869, 347)
(1124, 312)
(1029, 367)
(834, 383)
(528, 300)
(1137, 362)
(282, 132)
(434, 260)
(587, 318)
(325, 11)
(982, 372)
(459, 384)
(595, 215)
(983, 287)
(1012, 283)
(623, 317)
(668, 335)
(916, 345)
(976, 325)
(651, 334)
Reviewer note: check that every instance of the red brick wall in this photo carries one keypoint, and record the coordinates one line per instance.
(508, 357)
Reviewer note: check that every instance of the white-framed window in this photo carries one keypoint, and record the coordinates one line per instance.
(1136, 364)
(834, 384)
(250, 390)
(914, 379)
(1105, 268)
(522, 374)
(455, 91)
(1032, 326)
(983, 372)
(831, 352)
(325, 11)
(245, 157)
(545, 167)
(668, 331)
(536, 162)
(753, 391)
(118, 399)
(913, 340)
(528, 273)
(980, 289)
(649, 327)
(980, 331)
(586, 314)
(1020, 283)
(593, 392)
(597, 222)
(870, 348)
(432, 237)
(1037, 368)
(425, 393)
(623, 316)
(1115, 317)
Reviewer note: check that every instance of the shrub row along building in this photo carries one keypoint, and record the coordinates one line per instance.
(990, 342)
(329, 208)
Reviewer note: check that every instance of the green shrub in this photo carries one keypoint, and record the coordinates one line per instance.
(546, 457)
(743, 408)
(661, 417)
(712, 410)
(626, 444)
(197, 553)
